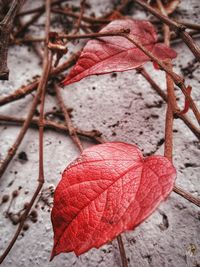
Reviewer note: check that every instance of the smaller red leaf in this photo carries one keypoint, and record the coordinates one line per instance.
(109, 189)
(156, 66)
(187, 104)
(116, 53)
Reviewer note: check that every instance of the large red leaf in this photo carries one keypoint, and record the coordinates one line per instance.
(110, 188)
(107, 54)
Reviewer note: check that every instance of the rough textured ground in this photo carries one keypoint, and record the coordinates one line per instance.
(124, 108)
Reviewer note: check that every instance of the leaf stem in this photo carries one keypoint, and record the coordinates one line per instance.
(122, 251)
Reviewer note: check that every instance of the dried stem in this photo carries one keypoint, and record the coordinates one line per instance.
(177, 27)
(189, 25)
(84, 18)
(168, 150)
(122, 251)
(6, 26)
(171, 103)
(50, 125)
(186, 195)
(169, 118)
(40, 92)
(40, 9)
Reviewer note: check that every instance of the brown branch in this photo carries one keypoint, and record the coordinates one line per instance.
(195, 200)
(6, 26)
(168, 149)
(177, 27)
(84, 18)
(40, 92)
(171, 103)
(189, 25)
(51, 125)
(122, 251)
(169, 117)
(25, 90)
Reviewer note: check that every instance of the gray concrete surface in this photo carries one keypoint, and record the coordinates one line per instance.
(123, 108)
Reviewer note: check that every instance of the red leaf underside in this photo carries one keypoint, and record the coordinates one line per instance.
(109, 189)
(116, 53)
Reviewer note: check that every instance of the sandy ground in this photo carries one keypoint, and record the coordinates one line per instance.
(124, 108)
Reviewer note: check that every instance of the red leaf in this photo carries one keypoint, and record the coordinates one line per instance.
(187, 104)
(108, 54)
(110, 188)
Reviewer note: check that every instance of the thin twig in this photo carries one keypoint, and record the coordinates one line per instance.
(187, 24)
(168, 150)
(177, 27)
(76, 15)
(51, 125)
(41, 91)
(41, 8)
(195, 200)
(122, 251)
(69, 124)
(171, 103)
